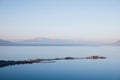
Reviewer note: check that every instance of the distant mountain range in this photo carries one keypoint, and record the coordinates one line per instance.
(117, 42)
(47, 41)
(5, 42)
(38, 41)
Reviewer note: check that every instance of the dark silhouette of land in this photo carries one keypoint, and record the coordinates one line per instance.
(4, 63)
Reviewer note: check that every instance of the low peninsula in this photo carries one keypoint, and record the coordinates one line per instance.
(4, 63)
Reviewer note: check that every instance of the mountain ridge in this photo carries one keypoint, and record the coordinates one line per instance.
(37, 41)
(5, 42)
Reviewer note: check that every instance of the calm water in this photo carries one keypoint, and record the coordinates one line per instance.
(106, 69)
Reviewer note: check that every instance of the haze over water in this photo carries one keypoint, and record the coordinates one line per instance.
(101, 69)
(47, 29)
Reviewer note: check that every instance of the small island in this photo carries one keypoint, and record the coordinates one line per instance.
(4, 63)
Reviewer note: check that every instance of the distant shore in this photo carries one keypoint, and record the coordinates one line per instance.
(4, 63)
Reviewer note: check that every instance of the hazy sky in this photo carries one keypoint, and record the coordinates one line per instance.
(66, 19)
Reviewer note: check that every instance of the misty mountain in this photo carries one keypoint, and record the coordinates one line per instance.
(50, 41)
(2, 42)
(47, 41)
(37, 41)
(117, 42)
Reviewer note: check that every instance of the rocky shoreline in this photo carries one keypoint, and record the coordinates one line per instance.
(4, 63)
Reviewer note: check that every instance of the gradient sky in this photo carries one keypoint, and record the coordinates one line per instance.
(66, 19)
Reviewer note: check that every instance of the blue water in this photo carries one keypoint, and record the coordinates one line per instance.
(105, 69)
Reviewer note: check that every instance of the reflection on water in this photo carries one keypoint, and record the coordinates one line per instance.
(83, 69)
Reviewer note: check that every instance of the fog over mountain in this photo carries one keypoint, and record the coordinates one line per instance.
(45, 41)
(5, 42)
(53, 41)
(117, 42)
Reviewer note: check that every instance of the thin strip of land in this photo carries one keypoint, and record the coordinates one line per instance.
(4, 63)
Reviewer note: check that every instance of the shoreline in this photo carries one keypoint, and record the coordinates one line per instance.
(5, 63)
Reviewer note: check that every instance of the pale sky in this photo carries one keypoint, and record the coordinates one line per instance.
(66, 19)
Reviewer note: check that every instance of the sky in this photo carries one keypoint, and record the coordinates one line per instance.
(63, 19)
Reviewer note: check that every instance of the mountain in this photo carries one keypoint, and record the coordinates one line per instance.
(47, 41)
(50, 41)
(44, 41)
(5, 42)
(117, 42)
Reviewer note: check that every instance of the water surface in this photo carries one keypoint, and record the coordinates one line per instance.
(106, 69)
